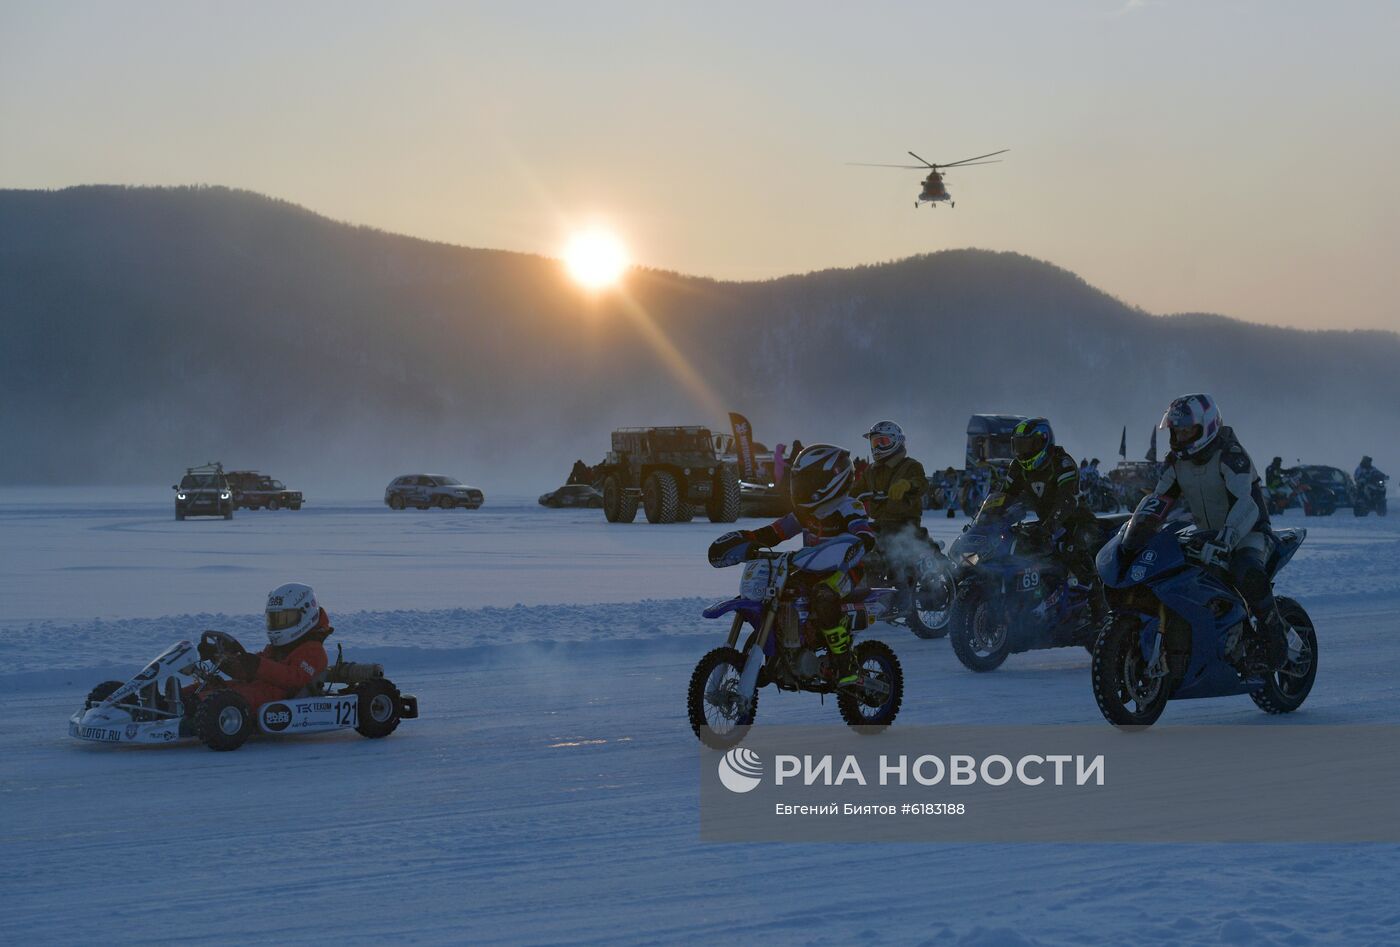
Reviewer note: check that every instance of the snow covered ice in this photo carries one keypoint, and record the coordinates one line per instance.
(549, 792)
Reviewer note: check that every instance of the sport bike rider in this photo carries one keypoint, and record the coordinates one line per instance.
(1210, 472)
(1045, 478)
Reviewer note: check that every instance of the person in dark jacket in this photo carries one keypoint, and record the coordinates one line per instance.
(1045, 478)
(893, 485)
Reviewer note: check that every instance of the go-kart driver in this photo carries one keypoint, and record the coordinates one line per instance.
(296, 628)
(824, 513)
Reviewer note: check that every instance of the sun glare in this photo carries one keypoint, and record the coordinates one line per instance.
(595, 258)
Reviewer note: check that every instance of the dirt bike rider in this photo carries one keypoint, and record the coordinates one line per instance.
(896, 475)
(1044, 477)
(892, 487)
(1365, 473)
(297, 626)
(1209, 470)
(824, 515)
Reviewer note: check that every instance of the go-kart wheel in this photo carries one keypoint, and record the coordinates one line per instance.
(102, 691)
(379, 708)
(223, 721)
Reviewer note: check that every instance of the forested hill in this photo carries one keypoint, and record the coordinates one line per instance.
(148, 329)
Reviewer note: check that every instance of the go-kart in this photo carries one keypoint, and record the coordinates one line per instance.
(156, 707)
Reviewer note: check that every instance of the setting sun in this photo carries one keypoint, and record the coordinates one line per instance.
(595, 258)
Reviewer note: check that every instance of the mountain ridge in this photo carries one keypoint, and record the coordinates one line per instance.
(155, 327)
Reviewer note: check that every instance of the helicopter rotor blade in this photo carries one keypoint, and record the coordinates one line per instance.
(970, 164)
(954, 164)
(867, 164)
(928, 163)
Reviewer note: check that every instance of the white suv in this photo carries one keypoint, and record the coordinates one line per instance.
(425, 490)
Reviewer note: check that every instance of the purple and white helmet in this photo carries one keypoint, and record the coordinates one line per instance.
(1193, 421)
(820, 479)
(886, 439)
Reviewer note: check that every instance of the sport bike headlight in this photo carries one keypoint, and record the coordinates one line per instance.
(179, 496)
(225, 496)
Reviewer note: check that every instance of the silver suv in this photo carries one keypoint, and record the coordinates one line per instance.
(425, 490)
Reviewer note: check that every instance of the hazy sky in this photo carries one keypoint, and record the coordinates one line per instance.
(1237, 157)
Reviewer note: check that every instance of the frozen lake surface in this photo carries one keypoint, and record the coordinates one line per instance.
(549, 792)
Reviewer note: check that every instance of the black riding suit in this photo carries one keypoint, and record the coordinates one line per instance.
(1052, 491)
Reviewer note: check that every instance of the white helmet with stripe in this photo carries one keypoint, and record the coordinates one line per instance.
(820, 479)
(291, 612)
(886, 440)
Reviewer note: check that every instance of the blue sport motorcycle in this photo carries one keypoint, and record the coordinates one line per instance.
(1179, 629)
(1012, 595)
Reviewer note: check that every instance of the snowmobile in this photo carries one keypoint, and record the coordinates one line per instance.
(156, 707)
(1012, 596)
(922, 576)
(1179, 629)
(786, 650)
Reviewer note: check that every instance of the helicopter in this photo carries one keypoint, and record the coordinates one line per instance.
(934, 189)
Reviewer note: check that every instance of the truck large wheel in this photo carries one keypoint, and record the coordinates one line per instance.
(618, 505)
(661, 497)
(726, 503)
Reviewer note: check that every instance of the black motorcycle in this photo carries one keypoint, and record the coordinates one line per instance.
(910, 561)
(1369, 495)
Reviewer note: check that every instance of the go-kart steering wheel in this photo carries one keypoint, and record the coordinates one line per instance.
(214, 645)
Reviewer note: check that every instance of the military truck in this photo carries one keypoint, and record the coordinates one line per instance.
(673, 472)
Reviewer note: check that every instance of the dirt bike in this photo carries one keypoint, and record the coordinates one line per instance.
(1179, 628)
(784, 648)
(907, 559)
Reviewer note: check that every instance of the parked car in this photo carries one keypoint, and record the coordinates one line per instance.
(204, 491)
(1319, 489)
(255, 491)
(573, 494)
(425, 490)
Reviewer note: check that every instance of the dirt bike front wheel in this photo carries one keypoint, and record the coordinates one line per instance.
(713, 702)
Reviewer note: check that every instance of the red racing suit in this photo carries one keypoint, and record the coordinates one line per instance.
(283, 671)
(280, 676)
